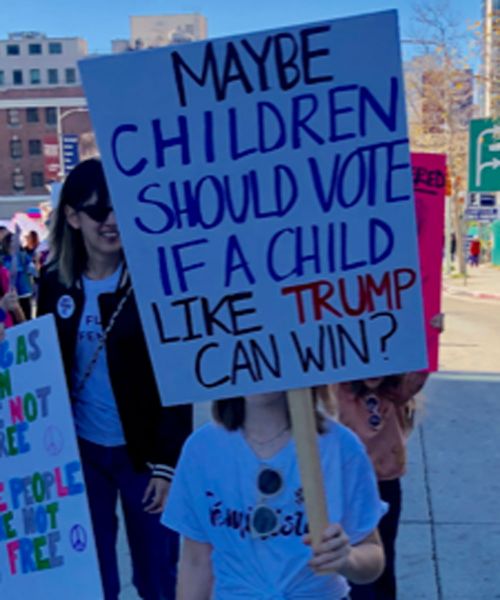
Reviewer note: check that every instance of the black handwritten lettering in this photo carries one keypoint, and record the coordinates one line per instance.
(291, 57)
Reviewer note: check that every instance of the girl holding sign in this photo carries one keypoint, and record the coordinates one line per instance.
(129, 444)
(237, 501)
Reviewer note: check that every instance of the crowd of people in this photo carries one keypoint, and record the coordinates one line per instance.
(218, 512)
(21, 258)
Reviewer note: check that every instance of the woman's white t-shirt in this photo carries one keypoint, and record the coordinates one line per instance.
(94, 408)
(214, 493)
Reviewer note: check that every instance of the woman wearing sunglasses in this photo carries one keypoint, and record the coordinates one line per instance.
(237, 501)
(129, 444)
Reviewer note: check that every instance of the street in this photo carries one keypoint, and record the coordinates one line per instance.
(469, 341)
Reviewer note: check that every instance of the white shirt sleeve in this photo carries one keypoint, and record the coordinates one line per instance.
(186, 501)
(363, 508)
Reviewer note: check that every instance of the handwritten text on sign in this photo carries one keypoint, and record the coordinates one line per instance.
(263, 190)
(43, 509)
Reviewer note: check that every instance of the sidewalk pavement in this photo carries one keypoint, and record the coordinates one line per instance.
(449, 538)
(482, 282)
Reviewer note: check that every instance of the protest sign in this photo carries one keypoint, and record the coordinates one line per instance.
(46, 542)
(262, 186)
(429, 182)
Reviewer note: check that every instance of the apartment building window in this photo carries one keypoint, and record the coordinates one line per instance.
(13, 117)
(35, 77)
(70, 75)
(13, 50)
(50, 116)
(2, 78)
(55, 48)
(16, 148)
(17, 180)
(32, 115)
(35, 147)
(17, 77)
(53, 76)
(35, 48)
(37, 179)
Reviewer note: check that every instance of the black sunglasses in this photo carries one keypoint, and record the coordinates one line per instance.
(264, 520)
(97, 212)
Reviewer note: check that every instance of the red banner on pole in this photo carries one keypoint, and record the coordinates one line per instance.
(52, 166)
(429, 185)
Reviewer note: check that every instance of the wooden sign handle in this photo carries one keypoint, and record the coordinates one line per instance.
(301, 409)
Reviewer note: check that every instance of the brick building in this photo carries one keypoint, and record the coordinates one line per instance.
(40, 100)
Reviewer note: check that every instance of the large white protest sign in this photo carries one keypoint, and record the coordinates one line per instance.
(46, 543)
(263, 189)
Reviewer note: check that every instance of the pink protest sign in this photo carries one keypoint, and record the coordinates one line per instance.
(429, 184)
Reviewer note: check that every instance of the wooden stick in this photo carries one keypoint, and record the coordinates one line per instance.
(301, 408)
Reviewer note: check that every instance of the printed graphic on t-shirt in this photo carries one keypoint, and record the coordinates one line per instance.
(90, 329)
(292, 521)
(95, 410)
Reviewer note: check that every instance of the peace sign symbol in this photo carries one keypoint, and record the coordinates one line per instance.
(53, 440)
(78, 538)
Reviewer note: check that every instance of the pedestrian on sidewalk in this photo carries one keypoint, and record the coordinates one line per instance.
(475, 252)
(237, 500)
(453, 246)
(129, 443)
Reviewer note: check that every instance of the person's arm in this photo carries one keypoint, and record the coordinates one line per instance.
(10, 303)
(155, 495)
(361, 563)
(410, 385)
(195, 578)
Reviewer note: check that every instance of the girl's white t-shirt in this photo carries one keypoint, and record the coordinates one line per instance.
(214, 493)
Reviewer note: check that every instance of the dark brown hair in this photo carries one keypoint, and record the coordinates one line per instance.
(68, 254)
(6, 241)
(389, 382)
(230, 413)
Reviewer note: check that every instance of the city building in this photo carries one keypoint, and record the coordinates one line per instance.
(491, 58)
(162, 30)
(30, 60)
(41, 101)
(43, 112)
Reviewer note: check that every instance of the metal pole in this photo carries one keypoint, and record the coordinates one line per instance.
(60, 142)
(447, 236)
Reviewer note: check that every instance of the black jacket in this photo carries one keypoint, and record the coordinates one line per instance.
(154, 434)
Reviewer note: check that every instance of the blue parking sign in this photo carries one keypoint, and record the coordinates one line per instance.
(70, 152)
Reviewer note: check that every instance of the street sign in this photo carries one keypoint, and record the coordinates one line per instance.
(487, 199)
(475, 200)
(70, 152)
(485, 215)
(484, 155)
